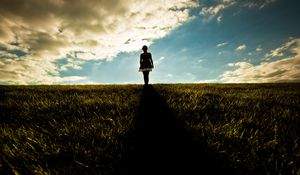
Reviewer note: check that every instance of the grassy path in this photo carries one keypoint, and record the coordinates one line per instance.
(161, 145)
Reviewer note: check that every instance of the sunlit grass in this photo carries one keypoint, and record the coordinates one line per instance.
(255, 126)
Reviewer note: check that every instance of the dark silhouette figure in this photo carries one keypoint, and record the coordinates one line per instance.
(146, 64)
(160, 144)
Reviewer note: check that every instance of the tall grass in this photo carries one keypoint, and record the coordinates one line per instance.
(84, 129)
(64, 129)
(255, 126)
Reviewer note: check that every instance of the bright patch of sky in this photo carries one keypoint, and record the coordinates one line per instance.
(190, 41)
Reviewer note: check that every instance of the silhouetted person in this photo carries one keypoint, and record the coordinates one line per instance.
(146, 64)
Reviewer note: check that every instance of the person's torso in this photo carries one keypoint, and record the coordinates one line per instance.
(146, 56)
(146, 60)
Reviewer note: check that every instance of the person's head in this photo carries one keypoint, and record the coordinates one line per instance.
(145, 48)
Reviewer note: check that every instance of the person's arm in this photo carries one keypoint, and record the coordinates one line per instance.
(141, 60)
(151, 60)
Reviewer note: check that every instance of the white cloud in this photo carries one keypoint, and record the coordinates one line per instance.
(198, 64)
(258, 4)
(283, 70)
(211, 12)
(219, 18)
(72, 64)
(243, 65)
(214, 10)
(222, 44)
(281, 50)
(5, 54)
(27, 71)
(169, 75)
(158, 61)
(49, 30)
(258, 49)
(241, 47)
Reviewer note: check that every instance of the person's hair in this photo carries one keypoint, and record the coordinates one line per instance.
(145, 47)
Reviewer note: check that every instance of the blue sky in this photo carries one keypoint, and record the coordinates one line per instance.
(191, 42)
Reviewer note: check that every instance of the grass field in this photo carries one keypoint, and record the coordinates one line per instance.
(92, 129)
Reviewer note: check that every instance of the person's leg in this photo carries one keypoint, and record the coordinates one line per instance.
(146, 77)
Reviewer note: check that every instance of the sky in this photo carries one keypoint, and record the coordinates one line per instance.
(191, 41)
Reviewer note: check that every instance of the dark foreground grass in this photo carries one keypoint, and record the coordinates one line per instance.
(64, 129)
(237, 129)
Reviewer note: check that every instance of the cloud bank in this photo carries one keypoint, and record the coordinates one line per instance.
(34, 34)
(286, 69)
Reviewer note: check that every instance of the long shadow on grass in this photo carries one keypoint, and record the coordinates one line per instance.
(161, 145)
